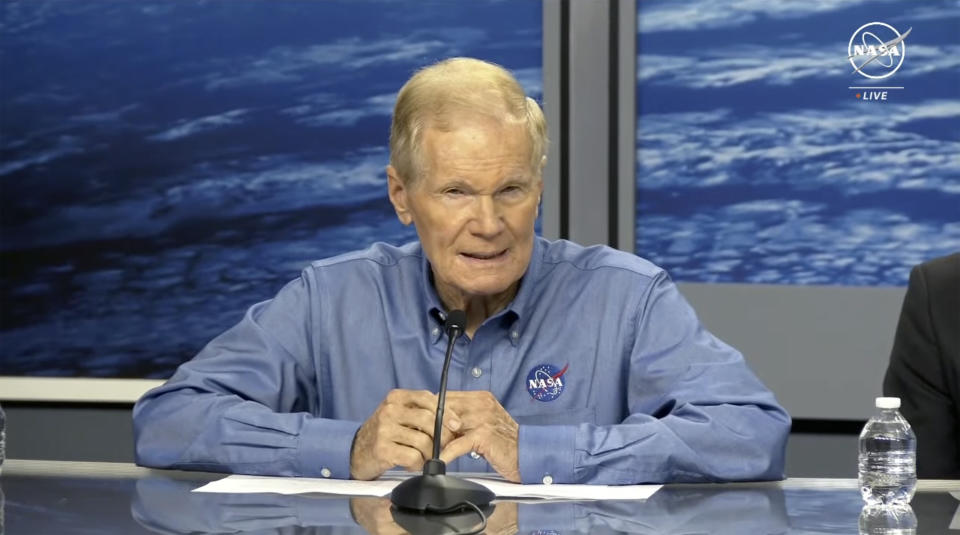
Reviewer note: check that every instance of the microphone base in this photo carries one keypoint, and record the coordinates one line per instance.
(436, 492)
(421, 523)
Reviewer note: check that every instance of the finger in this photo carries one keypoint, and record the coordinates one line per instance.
(498, 450)
(424, 418)
(411, 460)
(404, 456)
(452, 419)
(416, 418)
(462, 396)
(418, 440)
(473, 420)
(446, 436)
(425, 421)
(413, 398)
(475, 417)
(447, 430)
(456, 448)
(480, 401)
(459, 396)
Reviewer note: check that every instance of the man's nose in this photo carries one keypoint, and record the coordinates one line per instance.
(487, 219)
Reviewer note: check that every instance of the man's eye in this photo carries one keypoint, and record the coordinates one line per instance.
(454, 192)
(511, 191)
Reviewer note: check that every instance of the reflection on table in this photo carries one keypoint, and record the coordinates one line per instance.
(101, 497)
(168, 506)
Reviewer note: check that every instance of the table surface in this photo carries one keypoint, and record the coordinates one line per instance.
(40, 497)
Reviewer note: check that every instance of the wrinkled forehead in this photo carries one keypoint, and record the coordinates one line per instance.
(479, 135)
(449, 115)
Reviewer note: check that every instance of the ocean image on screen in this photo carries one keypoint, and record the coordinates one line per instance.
(165, 165)
(757, 162)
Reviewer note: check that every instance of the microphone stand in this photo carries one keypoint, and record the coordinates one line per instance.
(434, 491)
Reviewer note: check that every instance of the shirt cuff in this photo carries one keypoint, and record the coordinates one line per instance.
(324, 449)
(547, 453)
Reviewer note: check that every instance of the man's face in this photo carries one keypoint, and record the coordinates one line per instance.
(474, 207)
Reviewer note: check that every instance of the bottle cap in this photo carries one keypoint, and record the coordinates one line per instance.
(888, 403)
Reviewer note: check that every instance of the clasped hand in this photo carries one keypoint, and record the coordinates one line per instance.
(400, 433)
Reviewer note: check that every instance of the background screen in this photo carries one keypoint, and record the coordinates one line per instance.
(758, 163)
(164, 165)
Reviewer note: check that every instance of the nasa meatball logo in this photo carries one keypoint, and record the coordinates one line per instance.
(545, 382)
(876, 50)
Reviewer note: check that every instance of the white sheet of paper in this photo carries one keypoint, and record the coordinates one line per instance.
(240, 484)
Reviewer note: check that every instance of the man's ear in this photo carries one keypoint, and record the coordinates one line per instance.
(397, 191)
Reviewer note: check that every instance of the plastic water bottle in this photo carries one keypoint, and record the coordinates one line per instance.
(888, 456)
(887, 520)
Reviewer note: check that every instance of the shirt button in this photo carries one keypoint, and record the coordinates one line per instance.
(325, 472)
(476, 372)
(474, 455)
(514, 335)
(548, 479)
(435, 331)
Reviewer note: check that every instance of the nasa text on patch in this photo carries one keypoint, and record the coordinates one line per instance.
(545, 382)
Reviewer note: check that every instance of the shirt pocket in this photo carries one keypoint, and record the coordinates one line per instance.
(559, 416)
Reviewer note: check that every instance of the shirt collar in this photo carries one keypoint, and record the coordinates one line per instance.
(519, 309)
(432, 306)
(520, 305)
(511, 317)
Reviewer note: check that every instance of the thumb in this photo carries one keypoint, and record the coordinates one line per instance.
(456, 448)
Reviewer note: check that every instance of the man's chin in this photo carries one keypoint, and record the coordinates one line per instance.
(475, 288)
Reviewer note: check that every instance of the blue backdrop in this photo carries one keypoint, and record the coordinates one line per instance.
(757, 163)
(165, 165)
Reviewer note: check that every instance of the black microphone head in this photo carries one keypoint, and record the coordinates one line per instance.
(456, 319)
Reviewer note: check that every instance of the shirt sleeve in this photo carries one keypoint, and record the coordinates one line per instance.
(245, 403)
(697, 412)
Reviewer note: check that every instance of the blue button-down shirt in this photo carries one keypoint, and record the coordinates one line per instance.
(598, 358)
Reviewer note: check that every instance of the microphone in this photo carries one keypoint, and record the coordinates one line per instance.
(434, 491)
(454, 326)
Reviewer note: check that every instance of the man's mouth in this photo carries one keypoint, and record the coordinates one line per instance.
(485, 255)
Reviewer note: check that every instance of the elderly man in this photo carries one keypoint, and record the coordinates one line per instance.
(578, 365)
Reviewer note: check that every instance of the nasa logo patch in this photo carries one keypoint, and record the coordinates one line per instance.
(545, 382)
